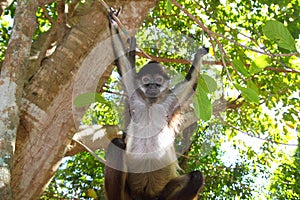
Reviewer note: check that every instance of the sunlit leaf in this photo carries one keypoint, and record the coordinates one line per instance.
(295, 62)
(168, 6)
(259, 64)
(240, 67)
(207, 83)
(202, 105)
(87, 98)
(249, 94)
(275, 30)
(252, 85)
(288, 117)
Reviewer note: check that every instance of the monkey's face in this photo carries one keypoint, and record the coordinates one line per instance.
(153, 85)
(153, 82)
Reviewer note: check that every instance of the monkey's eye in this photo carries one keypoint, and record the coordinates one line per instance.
(146, 80)
(159, 80)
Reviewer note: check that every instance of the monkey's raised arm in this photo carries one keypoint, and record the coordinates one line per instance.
(125, 60)
(185, 89)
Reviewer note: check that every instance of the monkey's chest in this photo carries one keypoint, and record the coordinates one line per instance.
(148, 121)
(150, 140)
(149, 129)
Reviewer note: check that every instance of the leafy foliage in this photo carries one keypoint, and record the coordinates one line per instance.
(5, 29)
(285, 183)
(254, 44)
(79, 177)
(275, 30)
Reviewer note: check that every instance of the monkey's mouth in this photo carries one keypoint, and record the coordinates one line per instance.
(152, 92)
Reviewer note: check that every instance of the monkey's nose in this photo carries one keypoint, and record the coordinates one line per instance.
(152, 86)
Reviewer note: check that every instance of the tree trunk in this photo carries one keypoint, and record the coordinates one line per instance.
(80, 59)
(11, 88)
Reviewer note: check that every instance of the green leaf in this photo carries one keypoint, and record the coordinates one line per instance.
(207, 83)
(249, 94)
(240, 67)
(288, 117)
(259, 64)
(87, 98)
(275, 30)
(294, 62)
(252, 85)
(168, 7)
(202, 105)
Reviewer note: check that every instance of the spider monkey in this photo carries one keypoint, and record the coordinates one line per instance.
(143, 164)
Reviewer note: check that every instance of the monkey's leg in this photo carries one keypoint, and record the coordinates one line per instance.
(115, 178)
(183, 187)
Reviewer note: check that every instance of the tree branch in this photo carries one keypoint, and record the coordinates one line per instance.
(213, 34)
(184, 61)
(94, 137)
(264, 139)
(12, 77)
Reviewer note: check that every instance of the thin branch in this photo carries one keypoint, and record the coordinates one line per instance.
(163, 60)
(209, 32)
(90, 151)
(142, 54)
(45, 1)
(282, 70)
(72, 6)
(264, 139)
(111, 92)
(173, 60)
(105, 5)
(221, 22)
(226, 38)
(47, 16)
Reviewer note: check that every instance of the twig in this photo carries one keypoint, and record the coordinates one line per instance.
(164, 60)
(184, 61)
(283, 70)
(90, 151)
(230, 40)
(47, 15)
(264, 139)
(72, 6)
(111, 92)
(145, 55)
(209, 32)
(174, 60)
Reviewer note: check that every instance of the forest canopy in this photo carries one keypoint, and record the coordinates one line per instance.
(246, 140)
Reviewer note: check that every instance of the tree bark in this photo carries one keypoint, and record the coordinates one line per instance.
(11, 88)
(4, 4)
(82, 56)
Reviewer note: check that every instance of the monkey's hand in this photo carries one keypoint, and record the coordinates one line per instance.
(199, 55)
(113, 13)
